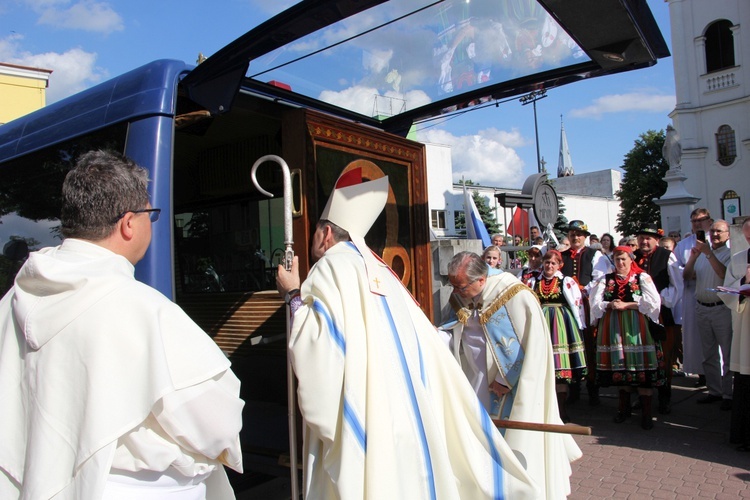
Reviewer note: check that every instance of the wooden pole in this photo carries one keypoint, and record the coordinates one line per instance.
(579, 430)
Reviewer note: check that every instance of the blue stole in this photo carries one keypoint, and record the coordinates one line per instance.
(503, 342)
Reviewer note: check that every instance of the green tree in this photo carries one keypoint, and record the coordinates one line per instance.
(561, 224)
(643, 181)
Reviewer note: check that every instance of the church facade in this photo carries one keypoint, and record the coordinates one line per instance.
(711, 57)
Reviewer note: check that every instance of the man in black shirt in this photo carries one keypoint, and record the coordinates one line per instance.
(664, 269)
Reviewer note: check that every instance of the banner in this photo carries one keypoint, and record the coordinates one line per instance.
(475, 229)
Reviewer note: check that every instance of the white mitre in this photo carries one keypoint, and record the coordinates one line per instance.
(354, 205)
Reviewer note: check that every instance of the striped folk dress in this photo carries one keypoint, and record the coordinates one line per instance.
(626, 353)
(566, 337)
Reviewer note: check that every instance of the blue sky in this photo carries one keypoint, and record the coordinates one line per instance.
(86, 42)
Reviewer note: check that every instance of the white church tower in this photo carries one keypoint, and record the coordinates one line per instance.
(564, 162)
(711, 57)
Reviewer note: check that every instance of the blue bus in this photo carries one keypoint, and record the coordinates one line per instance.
(199, 128)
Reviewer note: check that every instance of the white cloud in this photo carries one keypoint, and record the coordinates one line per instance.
(72, 70)
(487, 157)
(86, 15)
(361, 99)
(619, 103)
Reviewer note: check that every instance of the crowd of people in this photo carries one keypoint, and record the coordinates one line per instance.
(650, 308)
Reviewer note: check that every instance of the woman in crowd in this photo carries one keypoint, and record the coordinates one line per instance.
(534, 265)
(608, 244)
(493, 257)
(627, 355)
(563, 309)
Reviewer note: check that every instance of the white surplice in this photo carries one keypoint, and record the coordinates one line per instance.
(99, 371)
(388, 413)
(740, 353)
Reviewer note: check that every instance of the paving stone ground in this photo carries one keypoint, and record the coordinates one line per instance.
(686, 455)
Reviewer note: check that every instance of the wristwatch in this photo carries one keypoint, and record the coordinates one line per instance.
(288, 296)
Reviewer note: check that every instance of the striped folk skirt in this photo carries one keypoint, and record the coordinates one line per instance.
(567, 343)
(626, 354)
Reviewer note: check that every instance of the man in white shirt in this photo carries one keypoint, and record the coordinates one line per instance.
(684, 310)
(108, 389)
(707, 265)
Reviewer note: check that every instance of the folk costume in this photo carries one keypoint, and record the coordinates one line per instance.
(506, 318)
(664, 269)
(626, 352)
(586, 266)
(562, 306)
(740, 353)
(387, 412)
(108, 389)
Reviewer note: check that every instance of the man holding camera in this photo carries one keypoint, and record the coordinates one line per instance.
(684, 312)
(707, 265)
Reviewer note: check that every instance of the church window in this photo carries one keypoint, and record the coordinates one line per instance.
(719, 46)
(726, 147)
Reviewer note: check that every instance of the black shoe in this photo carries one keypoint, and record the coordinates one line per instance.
(593, 391)
(664, 408)
(726, 405)
(646, 423)
(574, 393)
(622, 416)
(708, 399)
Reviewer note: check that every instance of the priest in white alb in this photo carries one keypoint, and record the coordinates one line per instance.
(387, 412)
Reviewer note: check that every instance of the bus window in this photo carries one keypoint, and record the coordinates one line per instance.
(228, 237)
(30, 196)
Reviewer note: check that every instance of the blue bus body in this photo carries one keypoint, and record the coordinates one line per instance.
(145, 98)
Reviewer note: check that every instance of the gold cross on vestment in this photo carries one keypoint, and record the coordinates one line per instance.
(377, 282)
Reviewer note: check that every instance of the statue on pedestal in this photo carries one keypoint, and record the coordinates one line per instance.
(672, 151)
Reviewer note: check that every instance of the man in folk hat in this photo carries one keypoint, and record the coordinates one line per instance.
(664, 269)
(387, 411)
(586, 266)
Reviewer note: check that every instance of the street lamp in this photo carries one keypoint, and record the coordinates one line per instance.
(533, 97)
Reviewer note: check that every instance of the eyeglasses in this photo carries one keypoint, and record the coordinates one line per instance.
(718, 231)
(153, 214)
(461, 289)
(700, 219)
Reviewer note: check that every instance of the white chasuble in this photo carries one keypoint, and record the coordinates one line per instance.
(388, 413)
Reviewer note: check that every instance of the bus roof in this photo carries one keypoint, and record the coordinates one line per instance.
(146, 91)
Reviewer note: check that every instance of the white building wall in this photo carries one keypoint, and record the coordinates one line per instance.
(439, 186)
(705, 101)
(598, 211)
